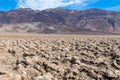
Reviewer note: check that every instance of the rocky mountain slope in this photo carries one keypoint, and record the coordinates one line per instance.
(60, 21)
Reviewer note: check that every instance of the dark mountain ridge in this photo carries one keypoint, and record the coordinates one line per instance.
(62, 21)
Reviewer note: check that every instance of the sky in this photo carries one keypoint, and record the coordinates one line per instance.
(113, 5)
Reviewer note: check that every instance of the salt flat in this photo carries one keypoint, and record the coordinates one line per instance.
(59, 57)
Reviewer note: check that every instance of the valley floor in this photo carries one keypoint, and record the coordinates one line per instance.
(59, 57)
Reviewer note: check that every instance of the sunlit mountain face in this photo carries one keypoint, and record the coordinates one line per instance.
(60, 20)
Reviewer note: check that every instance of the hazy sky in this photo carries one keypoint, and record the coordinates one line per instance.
(113, 5)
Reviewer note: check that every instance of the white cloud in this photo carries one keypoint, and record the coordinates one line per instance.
(46, 4)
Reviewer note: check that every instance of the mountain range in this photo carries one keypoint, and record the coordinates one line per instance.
(58, 20)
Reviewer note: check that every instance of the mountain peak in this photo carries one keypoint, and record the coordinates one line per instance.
(62, 20)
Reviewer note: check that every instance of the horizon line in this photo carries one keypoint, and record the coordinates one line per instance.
(60, 8)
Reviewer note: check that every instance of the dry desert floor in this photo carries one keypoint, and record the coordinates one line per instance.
(59, 57)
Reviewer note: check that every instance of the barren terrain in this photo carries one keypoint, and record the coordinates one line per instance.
(59, 20)
(59, 57)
